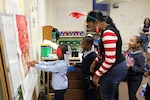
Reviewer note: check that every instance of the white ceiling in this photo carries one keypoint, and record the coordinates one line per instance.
(110, 1)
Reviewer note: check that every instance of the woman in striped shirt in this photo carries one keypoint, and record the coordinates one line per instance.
(112, 69)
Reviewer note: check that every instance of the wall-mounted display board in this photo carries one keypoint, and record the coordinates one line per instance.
(10, 50)
(15, 40)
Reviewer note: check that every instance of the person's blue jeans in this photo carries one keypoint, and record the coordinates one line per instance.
(145, 45)
(134, 83)
(109, 82)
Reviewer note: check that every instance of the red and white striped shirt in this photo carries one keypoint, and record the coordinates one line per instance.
(109, 39)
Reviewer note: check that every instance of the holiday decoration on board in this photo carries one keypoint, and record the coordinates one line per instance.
(77, 14)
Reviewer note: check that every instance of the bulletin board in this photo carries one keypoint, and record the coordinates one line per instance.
(10, 50)
(14, 58)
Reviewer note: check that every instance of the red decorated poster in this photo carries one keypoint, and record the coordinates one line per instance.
(22, 27)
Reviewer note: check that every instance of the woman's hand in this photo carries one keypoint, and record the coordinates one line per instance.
(92, 67)
(96, 80)
(146, 33)
(142, 32)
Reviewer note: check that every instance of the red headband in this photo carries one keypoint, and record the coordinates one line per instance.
(58, 51)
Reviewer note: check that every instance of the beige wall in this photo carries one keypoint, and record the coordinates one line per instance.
(129, 16)
(61, 9)
(2, 6)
